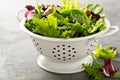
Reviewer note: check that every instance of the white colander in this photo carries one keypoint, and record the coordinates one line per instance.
(66, 55)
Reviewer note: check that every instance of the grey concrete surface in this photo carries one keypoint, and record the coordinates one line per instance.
(18, 55)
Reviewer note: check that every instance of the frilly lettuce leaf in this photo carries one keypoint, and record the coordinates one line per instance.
(68, 4)
(105, 53)
(46, 27)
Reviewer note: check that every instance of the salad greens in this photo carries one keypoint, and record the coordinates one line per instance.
(97, 71)
(94, 71)
(68, 5)
(67, 21)
(105, 53)
(96, 8)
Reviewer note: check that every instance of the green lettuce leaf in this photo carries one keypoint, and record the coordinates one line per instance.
(96, 8)
(105, 53)
(94, 71)
(80, 16)
(46, 27)
(68, 4)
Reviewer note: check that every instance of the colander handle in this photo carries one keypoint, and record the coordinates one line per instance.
(18, 15)
(113, 30)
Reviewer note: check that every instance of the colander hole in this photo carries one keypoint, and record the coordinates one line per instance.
(58, 46)
(63, 56)
(58, 58)
(53, 52)
(63, 45)
(74, 51)
(73, 48)
(54, 48)
(69, 54)
(58, 50)
(73, 55)
(69, 58)
(91, 45)
(33, 40)
(87, 53)
(64, 59)
(64, 53)
(36, 44)
(54, 55)
(58, 54)
(69, 50)
(69, 46)
(63, 48)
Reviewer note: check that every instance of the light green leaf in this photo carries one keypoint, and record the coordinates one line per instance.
(96, 8)
(105, 53)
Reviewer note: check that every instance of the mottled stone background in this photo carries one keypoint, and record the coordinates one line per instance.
(17, 53)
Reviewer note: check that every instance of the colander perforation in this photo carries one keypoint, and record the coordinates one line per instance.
(91, 46)
(63, 52)
(37, 45)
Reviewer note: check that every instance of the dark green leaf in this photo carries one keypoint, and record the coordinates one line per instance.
(94, 71)
(80, 16)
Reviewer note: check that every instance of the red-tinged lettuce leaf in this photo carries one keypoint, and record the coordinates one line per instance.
(30, 7)
(108, 68)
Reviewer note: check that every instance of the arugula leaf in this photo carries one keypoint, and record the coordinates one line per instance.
(94, 71)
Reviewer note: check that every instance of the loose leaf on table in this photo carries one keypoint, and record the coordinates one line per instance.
(105, 53)
(115, 75)
(94, 71)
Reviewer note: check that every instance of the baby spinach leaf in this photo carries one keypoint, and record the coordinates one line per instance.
(80, 16)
